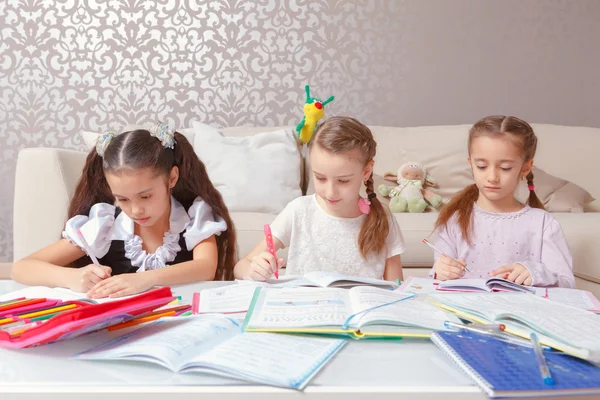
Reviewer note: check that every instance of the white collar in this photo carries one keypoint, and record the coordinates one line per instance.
(123, 228)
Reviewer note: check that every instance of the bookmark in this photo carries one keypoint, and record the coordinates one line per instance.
(271, 247)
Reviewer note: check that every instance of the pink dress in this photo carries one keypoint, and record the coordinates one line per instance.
(531, 237)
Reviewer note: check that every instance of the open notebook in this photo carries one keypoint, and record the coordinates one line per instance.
(501, 369)
(324, 279)
(569, 329)
(228, 299)
(483, 285)
(215, 344)
(360, 312)
(573, 297)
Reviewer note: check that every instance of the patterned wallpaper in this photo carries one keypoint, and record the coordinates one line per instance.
(72, 65)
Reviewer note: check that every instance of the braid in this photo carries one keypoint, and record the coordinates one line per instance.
(533, 200)
(369, 185)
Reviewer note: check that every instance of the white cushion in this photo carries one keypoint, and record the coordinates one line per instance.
(259, 173)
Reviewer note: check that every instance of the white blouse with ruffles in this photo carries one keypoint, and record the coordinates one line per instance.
(100, 228)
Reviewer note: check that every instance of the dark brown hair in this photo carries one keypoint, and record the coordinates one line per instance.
(339, 135)
(138, 149)
(496, 126)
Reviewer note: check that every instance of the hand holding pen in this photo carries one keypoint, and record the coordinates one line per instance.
(85, 278)
(447, 267)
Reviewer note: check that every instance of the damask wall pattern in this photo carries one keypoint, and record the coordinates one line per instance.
(72, 65)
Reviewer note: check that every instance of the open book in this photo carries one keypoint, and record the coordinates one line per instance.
(32, 292)
(324, 279)
(571, 297)
(228, 299)
(483, 285)
(417, 285)
(215, 344)
(566, 328)
(359, 312)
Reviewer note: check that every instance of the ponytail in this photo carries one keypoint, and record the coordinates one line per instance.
(376, 226)
(461, 204)
(91, 188)
(194, 182)
(533, 201)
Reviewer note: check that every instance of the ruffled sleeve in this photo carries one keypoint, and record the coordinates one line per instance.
(95, 229)
(203, 224)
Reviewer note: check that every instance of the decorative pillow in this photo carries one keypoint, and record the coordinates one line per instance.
(558, 195)
(259, 173)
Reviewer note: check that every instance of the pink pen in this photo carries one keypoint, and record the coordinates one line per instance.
(271, 247)
(195, 303)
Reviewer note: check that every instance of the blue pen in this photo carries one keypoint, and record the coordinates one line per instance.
(541, 360)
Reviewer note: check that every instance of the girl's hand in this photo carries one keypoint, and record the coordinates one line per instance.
(263, 266)
(121, 285)
(86, 277)
(447, 268)
(516, 273)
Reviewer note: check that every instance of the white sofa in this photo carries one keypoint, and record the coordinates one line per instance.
(46, 178)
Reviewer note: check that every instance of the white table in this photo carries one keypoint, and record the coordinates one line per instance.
(409, 369)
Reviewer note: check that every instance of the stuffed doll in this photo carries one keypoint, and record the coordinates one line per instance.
(410, 194)
(314, 110)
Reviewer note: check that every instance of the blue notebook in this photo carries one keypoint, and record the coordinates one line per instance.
(503, 369)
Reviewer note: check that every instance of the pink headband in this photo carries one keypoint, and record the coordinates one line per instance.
(531, 187)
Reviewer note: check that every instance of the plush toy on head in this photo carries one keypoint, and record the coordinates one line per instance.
(314, 110)
(410, 194)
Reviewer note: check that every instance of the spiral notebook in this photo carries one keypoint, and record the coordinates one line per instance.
(503, 369)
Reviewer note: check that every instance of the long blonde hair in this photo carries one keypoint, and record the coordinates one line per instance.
(339, 135)
(496, 126)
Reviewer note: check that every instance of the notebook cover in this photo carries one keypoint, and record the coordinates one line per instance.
(502, 369)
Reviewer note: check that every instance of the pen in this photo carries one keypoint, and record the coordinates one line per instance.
(20, 304)
(195, 303)
(86, 247)
(7, 321)
(17, 330)
(500, 335)
(490, 327)
(271, 247)
(444, 254)
(541, 360)
(15, 323)
(48, 311)
(470, 327)
(138, 321)
(3, 303)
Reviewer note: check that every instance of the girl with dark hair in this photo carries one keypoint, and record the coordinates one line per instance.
(147, 211)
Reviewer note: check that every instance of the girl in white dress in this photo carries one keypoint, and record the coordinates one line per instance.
(334, 230)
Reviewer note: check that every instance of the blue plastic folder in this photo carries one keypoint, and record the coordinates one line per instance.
(503, 369)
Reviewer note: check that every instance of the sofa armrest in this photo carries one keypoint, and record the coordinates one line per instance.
(45, 180)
